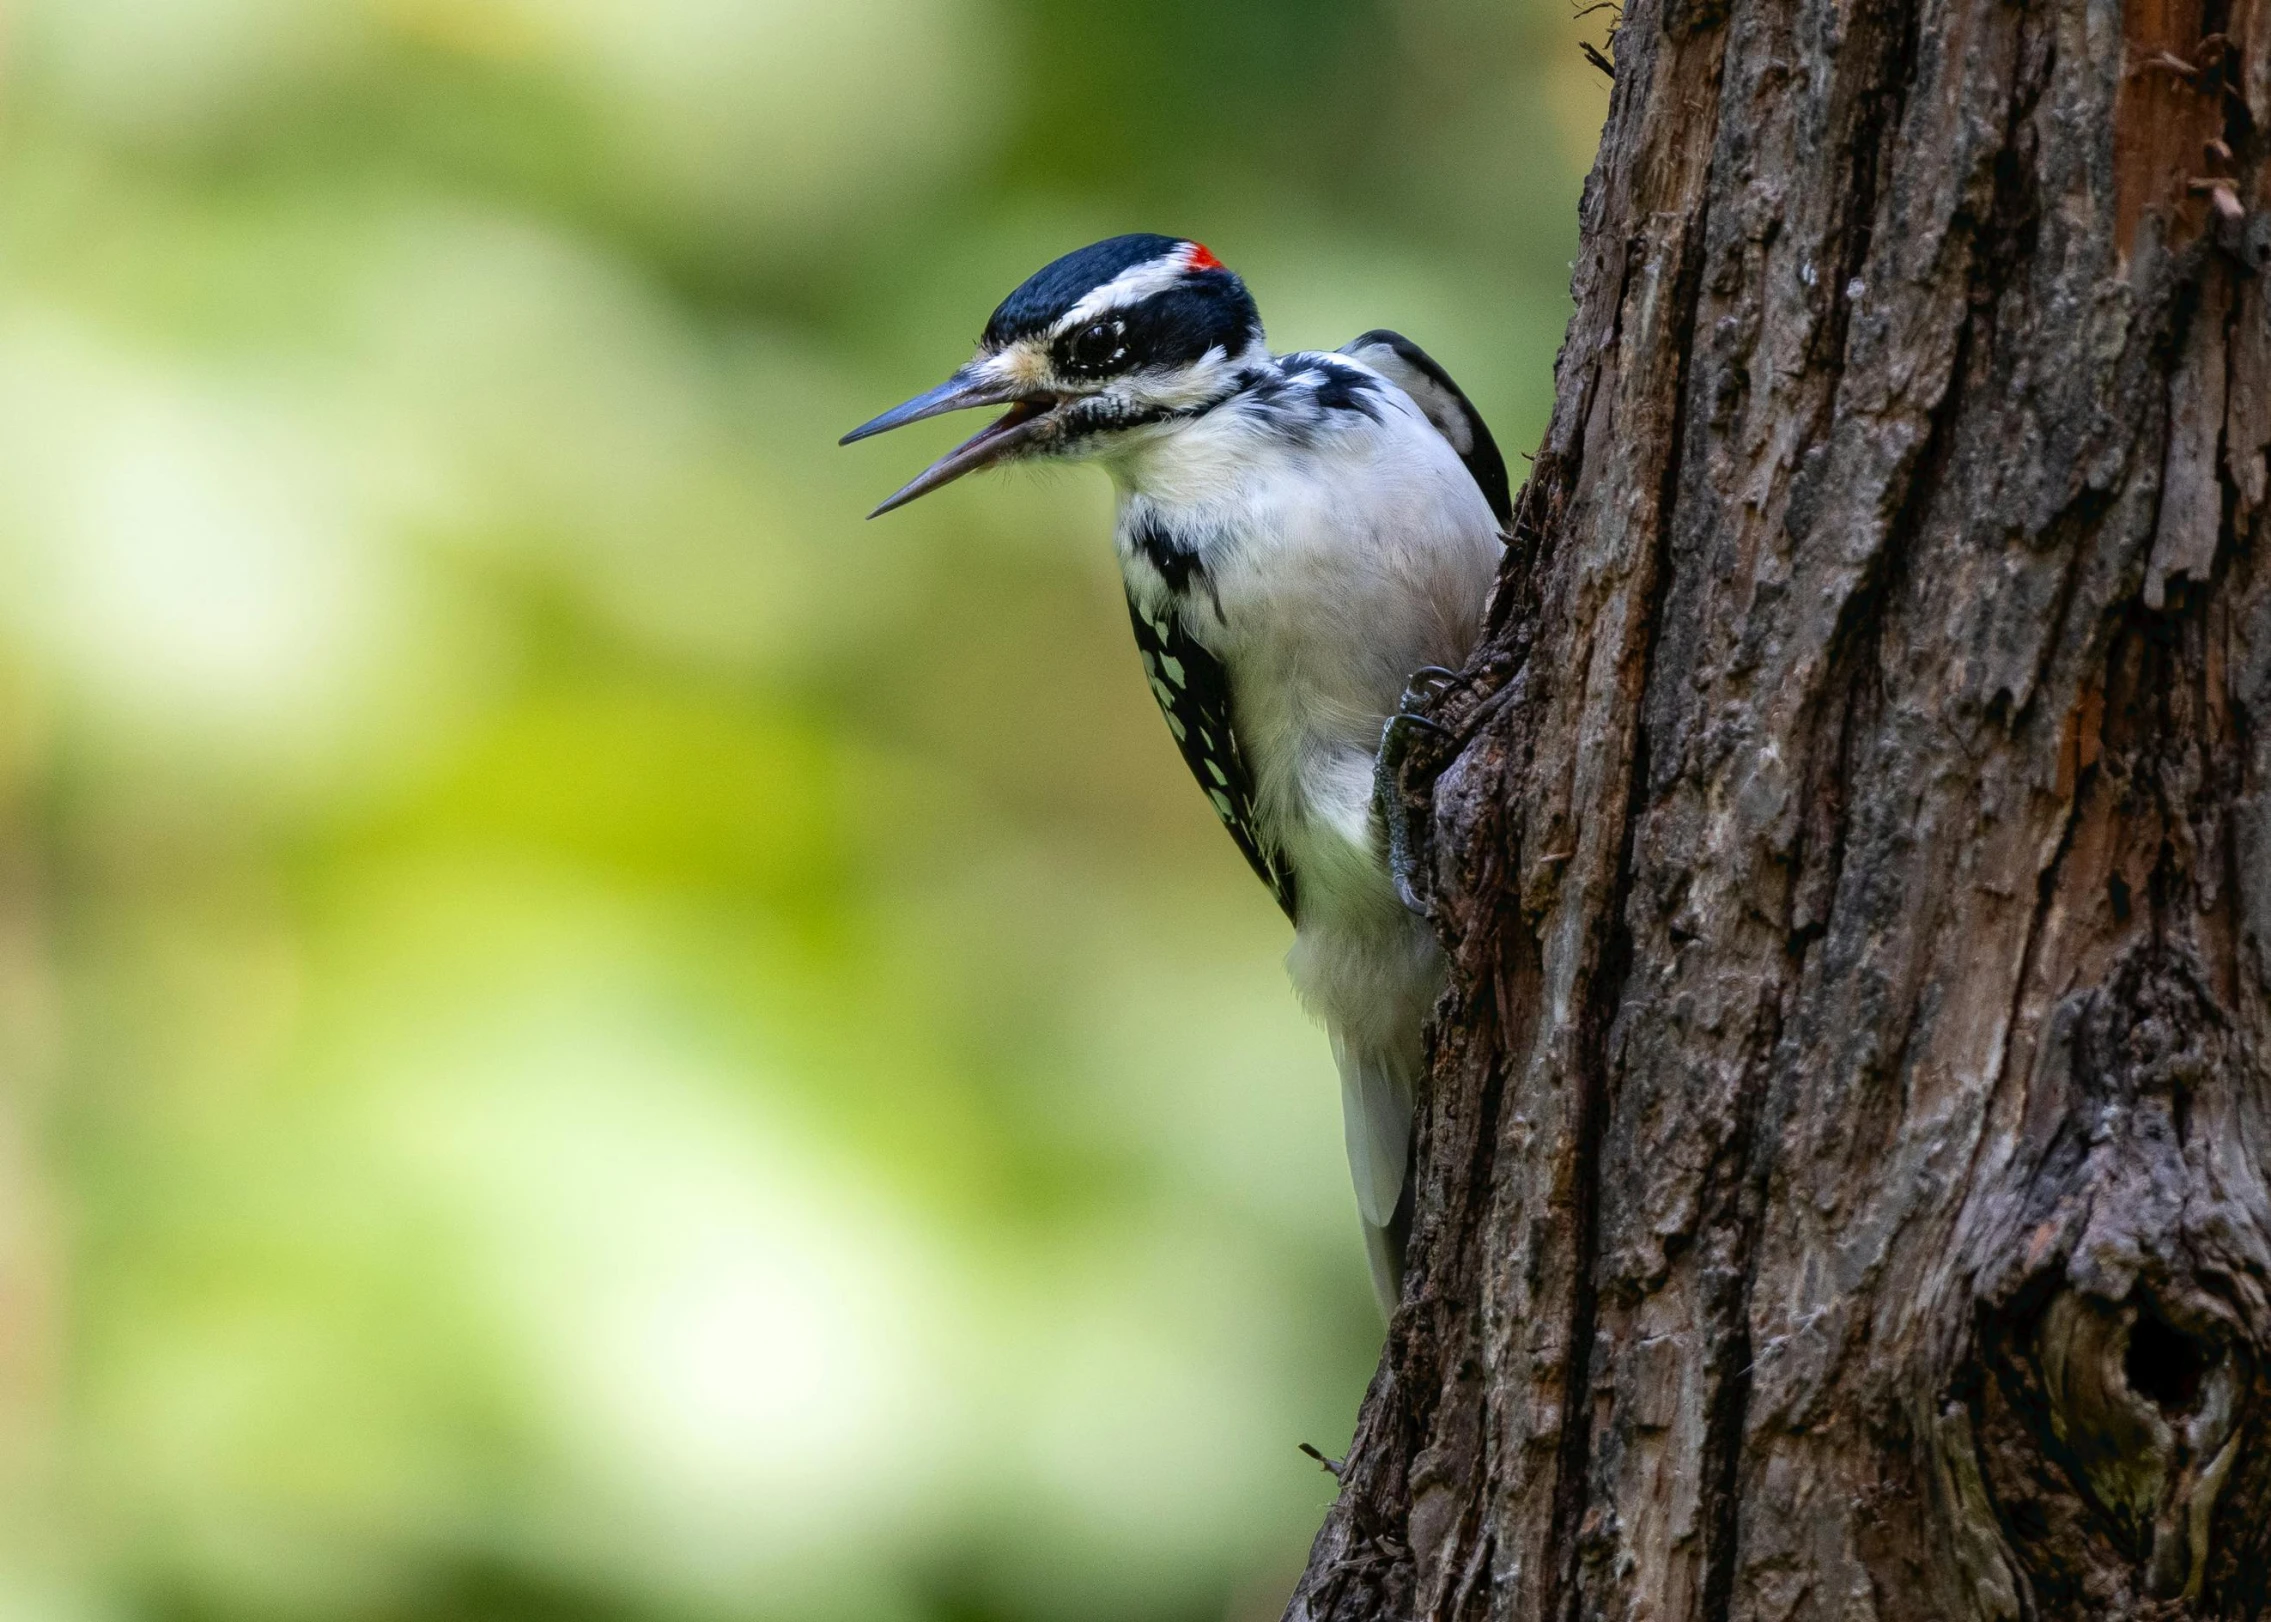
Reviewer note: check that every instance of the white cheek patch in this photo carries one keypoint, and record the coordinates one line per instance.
(1200, 383)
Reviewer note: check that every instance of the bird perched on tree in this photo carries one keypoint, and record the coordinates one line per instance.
(1299, 534)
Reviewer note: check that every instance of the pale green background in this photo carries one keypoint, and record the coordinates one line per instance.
(586, 1035)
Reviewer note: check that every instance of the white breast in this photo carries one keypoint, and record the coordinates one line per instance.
(1336, 564)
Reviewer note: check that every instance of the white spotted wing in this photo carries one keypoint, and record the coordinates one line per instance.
(1193, 690)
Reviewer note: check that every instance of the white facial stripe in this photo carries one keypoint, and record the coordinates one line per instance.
(1180, 388)
(1130, 286)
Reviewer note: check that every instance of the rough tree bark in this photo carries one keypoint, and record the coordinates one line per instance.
(1843, 1190)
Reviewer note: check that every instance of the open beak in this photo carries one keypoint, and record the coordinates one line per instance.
(1023, 422)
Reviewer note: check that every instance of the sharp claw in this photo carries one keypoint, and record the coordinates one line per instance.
(1427, 682)
(1400, 870)
(1421, 688)
(1387, 802)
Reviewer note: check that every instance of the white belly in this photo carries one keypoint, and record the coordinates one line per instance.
(1331, 574)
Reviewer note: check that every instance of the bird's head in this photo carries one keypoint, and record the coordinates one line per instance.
(1094, 347)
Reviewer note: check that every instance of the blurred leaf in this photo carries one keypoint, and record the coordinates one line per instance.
(592, 1036)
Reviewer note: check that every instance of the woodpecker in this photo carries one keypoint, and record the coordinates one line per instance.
(1299, 535)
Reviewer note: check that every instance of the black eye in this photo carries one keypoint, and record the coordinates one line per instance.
(1096, 348)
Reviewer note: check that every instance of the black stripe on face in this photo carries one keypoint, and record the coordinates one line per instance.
(1117, 410)
(1209, 309)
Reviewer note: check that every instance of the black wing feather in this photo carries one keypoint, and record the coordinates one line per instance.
(1414, 371)
(1193, 690)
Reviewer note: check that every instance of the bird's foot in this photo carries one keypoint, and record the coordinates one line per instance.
(1425, 686)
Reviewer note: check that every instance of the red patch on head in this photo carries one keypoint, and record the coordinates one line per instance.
(1201, 259)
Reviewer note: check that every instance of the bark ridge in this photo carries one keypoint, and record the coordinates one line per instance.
(1842, 1186)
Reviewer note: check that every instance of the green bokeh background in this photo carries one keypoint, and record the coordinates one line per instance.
(584, 1034)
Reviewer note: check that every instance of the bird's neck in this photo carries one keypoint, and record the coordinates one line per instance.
(1197, 458)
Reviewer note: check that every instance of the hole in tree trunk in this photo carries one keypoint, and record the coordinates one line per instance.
(2164, 1367)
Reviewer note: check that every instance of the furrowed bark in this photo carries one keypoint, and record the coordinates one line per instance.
(1843, 1187)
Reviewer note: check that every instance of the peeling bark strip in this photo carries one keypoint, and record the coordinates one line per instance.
(1843, 1189)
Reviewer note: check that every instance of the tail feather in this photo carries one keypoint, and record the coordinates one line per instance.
(1376, 1114)
(1384, 1250)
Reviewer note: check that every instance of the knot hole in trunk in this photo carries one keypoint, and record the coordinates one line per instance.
(2165, 1367)
(2120, 1318)
(2144, 1406)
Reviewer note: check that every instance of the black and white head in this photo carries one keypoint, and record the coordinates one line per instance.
(1107, 342)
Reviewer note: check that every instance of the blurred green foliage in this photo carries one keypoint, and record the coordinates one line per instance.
(583, 1034)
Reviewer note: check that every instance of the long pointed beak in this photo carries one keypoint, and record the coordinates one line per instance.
(961, 392)
(958, 393)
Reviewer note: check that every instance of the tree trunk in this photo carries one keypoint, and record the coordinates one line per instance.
(1842, 1192)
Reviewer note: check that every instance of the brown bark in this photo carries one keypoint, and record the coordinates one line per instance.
(1843, 1188)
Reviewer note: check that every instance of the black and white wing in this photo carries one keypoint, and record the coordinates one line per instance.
(1413, 370)
(1193, 690)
